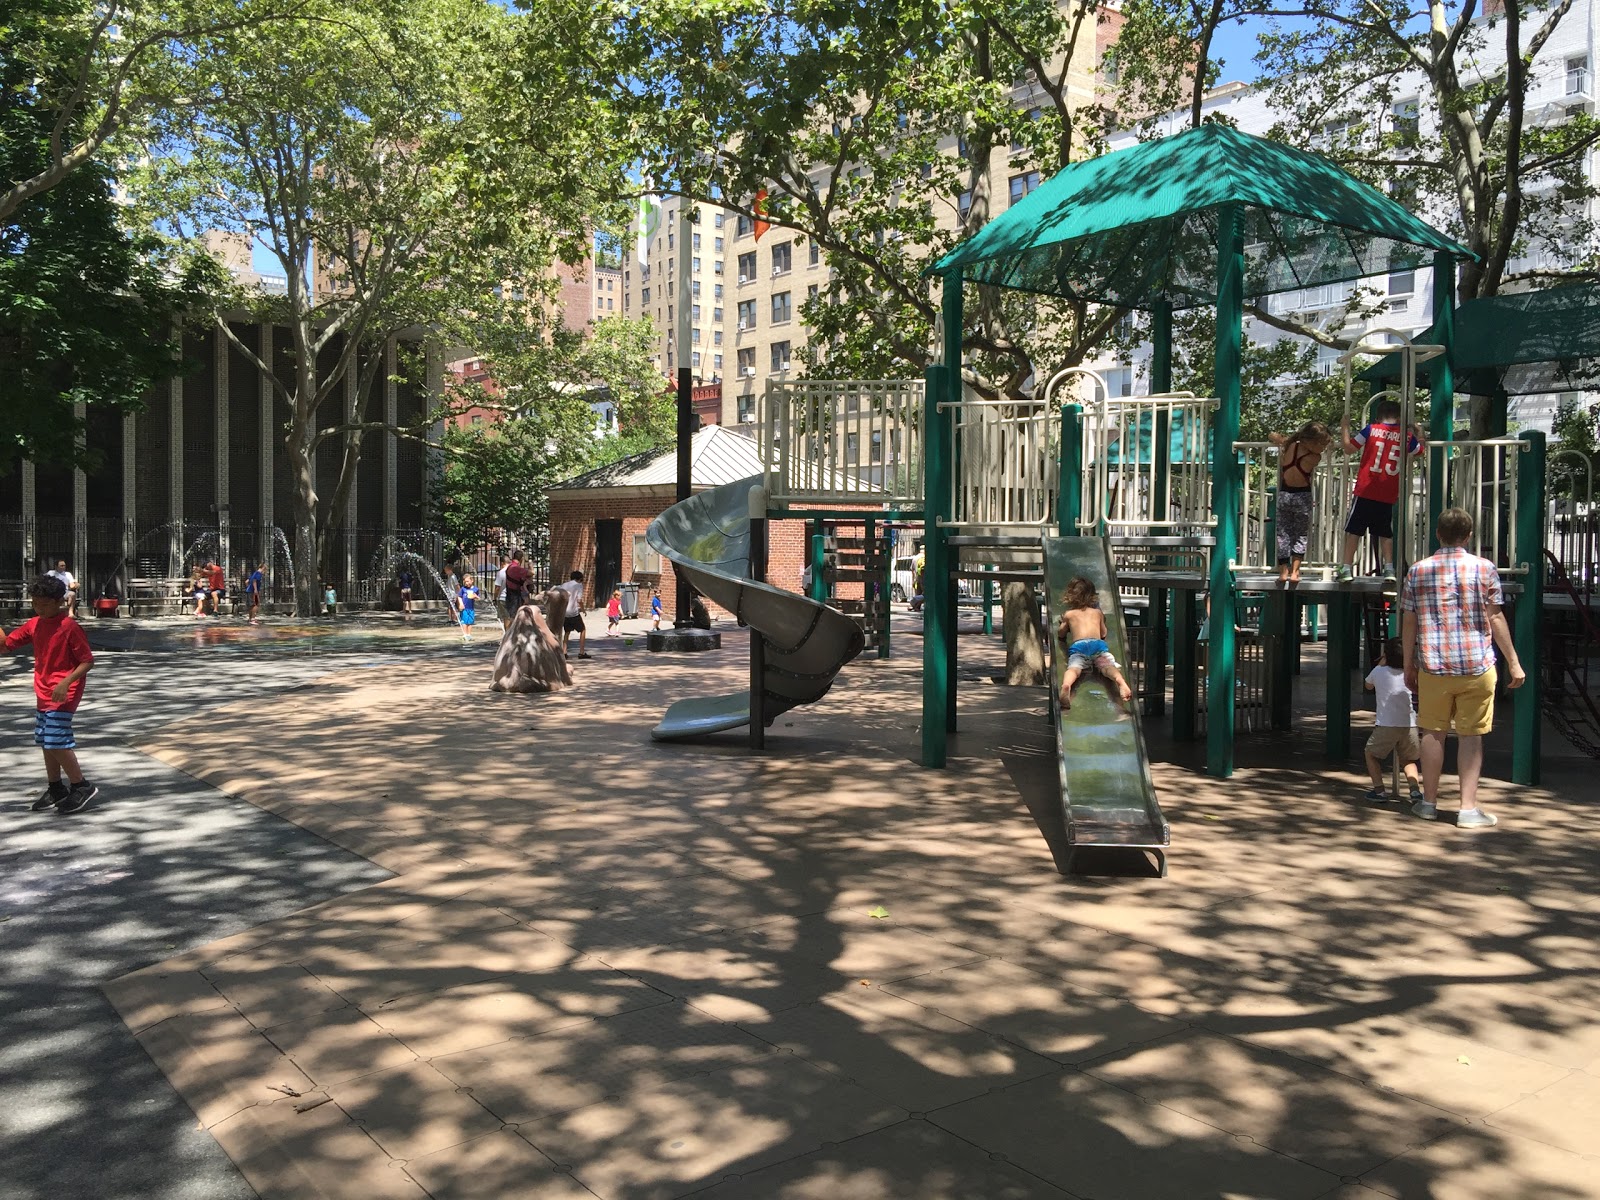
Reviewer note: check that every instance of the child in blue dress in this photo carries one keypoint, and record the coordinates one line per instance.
(1083, 633)
(467, 601)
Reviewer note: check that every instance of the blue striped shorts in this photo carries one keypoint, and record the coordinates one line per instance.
(53, 730)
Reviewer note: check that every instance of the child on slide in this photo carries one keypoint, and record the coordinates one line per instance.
(1083, 633)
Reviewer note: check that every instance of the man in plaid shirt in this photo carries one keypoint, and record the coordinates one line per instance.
(1451, 623)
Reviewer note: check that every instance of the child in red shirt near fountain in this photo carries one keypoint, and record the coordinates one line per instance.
(61, 659)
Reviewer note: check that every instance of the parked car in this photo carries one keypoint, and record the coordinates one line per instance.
(901, 588)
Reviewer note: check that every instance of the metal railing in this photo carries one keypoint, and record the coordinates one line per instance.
(1009, 456)
(1123, 469)
(1481, 477)
(850, 441)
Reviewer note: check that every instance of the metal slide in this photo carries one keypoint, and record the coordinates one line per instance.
(1107, 797)
(707, 537)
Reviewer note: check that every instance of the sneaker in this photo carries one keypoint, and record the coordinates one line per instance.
(77, 799)
(1417, 793)
(1421, 808)
(1343, 574)
(583, 654)
(50, 797)
(1388, 572)
(1377, 795)
(1474, 818)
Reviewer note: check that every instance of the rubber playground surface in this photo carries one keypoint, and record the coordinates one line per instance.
(610, 967)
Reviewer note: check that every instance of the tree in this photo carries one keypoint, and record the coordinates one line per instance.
(869, 129)
(405, 171)
(88, 310)
(496, 475)
(1576, 429)
(104, 67)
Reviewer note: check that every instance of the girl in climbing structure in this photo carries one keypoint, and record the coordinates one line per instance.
(1083, 633)
(1298, 456)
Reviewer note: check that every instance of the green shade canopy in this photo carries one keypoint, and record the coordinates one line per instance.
(1522, 343)
(1139, 226)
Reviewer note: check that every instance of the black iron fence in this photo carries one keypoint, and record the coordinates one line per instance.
(148, 566)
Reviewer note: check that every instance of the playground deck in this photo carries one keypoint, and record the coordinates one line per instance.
(610, 967)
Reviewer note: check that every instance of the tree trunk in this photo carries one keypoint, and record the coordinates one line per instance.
(1024, 638)
(307, 568)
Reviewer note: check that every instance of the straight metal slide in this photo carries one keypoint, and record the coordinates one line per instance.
(707, 537)
(1107, 797)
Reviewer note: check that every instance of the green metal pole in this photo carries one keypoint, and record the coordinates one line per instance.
(1442, 400)
(935, 667)
(1185, 665)
(819, 555)
(1283, 618)
(1528, 617)
(1069, 489)
(988, 604)
(953, 327)
(1340, 644)
(1225, 492)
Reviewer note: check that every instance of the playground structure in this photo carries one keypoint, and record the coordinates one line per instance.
(1180, 507)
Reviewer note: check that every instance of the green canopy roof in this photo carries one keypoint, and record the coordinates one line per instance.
(1140, 225)
(1521, 343)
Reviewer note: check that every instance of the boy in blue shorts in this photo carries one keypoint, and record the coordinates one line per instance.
(467, 601)
(61, 659)
(1083, 633)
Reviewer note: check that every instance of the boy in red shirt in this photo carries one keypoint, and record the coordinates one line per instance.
(1382, 445)
(61, 659)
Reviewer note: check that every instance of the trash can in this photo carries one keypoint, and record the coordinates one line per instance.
(630, 599)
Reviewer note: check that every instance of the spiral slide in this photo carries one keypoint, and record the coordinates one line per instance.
(707, 537)
(1107, 797)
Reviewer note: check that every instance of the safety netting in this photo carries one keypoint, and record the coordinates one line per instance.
(1140, 226)
(1521, 343)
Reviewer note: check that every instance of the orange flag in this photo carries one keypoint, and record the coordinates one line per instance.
(760, 206)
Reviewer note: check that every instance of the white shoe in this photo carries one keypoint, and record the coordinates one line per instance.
(1423, 809)
(1474, 818)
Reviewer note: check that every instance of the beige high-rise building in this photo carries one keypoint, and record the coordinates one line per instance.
(748, 291)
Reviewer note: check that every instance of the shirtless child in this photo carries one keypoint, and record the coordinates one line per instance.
(1083, 632)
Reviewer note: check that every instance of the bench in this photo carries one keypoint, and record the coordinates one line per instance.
(163, 596)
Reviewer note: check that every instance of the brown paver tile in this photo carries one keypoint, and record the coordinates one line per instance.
(1067, 1024)
(1397, 1053)
(274, 995)
(911, 1057)
(500, 1166)
(149, 996)
(331, 1047)
(911, 1159)
(412, 1111)
(221, 1063)
(666, 1141)
(856, 944)
(1565, 1114)
(1100, 1141)
(1318, 1116)
(286, 1154)
(495, 1010)
(1480, 1163)
(731, 982)
(583, 1064)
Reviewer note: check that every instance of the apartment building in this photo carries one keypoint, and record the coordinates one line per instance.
(1561, 81)
(750, 280)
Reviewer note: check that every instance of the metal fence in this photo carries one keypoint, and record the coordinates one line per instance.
(149, 565)
(1123, 470)
(844, 440)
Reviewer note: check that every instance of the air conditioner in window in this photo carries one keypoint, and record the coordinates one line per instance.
(748, 372)
(783, 366)
(747, 418)
(742, 279)
(742, 326)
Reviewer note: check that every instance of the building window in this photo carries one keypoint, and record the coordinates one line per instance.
(716, 363)
(747, 362)
(783, 258)
(716, 314)
(1022, 184)
(1033, 114)
(696, 241)
(696, 356)
(645, 560)
(696, 312)
(716, 291)
(694, 265)
(1402, 283)
(1404, 116)
(717, 245)
(1327, 361)
(811, 292)
(747, 315)
(1578, 75)
(747, 267)
(747, 409)
(694, 336)
(716, 267)
(877, 446)
(780, 356)
(964, 204)
(815, 254)
(717, 221)
(716, 334)
(694, 288)
(744, 226)
(782, 307)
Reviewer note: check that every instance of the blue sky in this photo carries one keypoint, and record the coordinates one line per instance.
(1235, 44)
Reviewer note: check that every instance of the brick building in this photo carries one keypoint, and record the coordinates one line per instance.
(598, 520)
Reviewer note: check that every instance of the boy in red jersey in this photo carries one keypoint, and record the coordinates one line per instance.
(1377, 482)
(61, 659)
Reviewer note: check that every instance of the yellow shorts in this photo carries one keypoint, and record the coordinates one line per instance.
(1467, 701)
